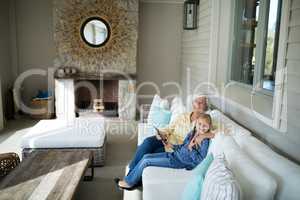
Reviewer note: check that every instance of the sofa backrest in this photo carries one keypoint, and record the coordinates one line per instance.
(286, 173)
(256, 183)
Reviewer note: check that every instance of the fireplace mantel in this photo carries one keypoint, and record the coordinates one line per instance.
(106, 76)
(65, 97)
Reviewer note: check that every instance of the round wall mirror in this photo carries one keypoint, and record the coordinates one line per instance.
(95, 32)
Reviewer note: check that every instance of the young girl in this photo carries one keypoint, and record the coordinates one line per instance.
(185, 156)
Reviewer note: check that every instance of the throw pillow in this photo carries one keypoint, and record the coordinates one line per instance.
(159, 102)
(219, 182)
(159, 117)
(193, 189)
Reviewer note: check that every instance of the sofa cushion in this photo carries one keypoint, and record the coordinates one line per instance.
(255, 182)
(164, 183)
(175, 102)
(180, 109)
(193, 188)
(159, 102)
(286, 173)
(145, 130)
(220, 182)
(215, 147)
(159, 117)
(80, 132)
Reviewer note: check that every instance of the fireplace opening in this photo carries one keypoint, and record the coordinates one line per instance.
(97, 96)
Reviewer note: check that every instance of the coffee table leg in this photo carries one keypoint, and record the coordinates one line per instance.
(91, 177)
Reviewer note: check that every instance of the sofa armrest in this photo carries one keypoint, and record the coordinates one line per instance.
(144, 131)
(164, 183)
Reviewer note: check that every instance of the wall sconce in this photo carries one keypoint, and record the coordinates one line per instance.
(190, 14)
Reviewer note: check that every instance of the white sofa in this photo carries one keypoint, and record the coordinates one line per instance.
(261, 173)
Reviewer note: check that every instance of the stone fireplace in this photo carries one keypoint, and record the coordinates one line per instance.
(76, 95)
(116, 60)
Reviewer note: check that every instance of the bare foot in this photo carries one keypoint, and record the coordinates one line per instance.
(124, 184)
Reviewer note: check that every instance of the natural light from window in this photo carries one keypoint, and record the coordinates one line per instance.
(272, 46)
(255, 46)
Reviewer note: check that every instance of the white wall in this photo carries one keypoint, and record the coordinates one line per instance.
(5, 65)
(160, 27)
(33, 45)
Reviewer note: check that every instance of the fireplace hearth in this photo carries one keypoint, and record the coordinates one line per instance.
(97, 96)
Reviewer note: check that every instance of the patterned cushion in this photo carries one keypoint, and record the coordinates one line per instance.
(219, 182)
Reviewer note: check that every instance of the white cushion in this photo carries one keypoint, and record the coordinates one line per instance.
(255, 182)
(164, 104)
(215, 145)
(219, 182)
(285, 172)
(177, 108)
(145, 130)
(164, 183)
(175, 102)
(180, 109)
(80, 132)
(159, 102)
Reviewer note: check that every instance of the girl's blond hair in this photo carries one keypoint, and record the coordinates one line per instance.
(207, 117)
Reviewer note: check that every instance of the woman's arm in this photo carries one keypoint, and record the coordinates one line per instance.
(186, 140)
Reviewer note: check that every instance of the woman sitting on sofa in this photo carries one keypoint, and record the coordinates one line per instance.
(185, 156)
(174, 133)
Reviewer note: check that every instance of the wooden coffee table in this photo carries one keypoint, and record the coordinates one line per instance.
(51, 174)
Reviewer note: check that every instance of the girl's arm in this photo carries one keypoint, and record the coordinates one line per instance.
(204, 148)
(201, 151)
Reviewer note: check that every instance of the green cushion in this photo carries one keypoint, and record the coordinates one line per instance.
(193, 189)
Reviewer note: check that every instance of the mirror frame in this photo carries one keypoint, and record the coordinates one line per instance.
(82, 31)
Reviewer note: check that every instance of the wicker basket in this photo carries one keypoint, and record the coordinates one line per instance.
(8, 162)
(42, 104)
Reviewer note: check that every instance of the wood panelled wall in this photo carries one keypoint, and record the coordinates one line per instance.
(293, 72)
(195, 49)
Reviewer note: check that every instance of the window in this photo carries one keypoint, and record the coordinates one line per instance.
(255, 47)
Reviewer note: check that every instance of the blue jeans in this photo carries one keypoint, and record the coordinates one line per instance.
(155, 159)
(150, 145)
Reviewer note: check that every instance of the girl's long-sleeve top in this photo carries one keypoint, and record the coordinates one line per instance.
(187, 158)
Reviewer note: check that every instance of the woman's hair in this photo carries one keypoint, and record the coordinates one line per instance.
(202, 96)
